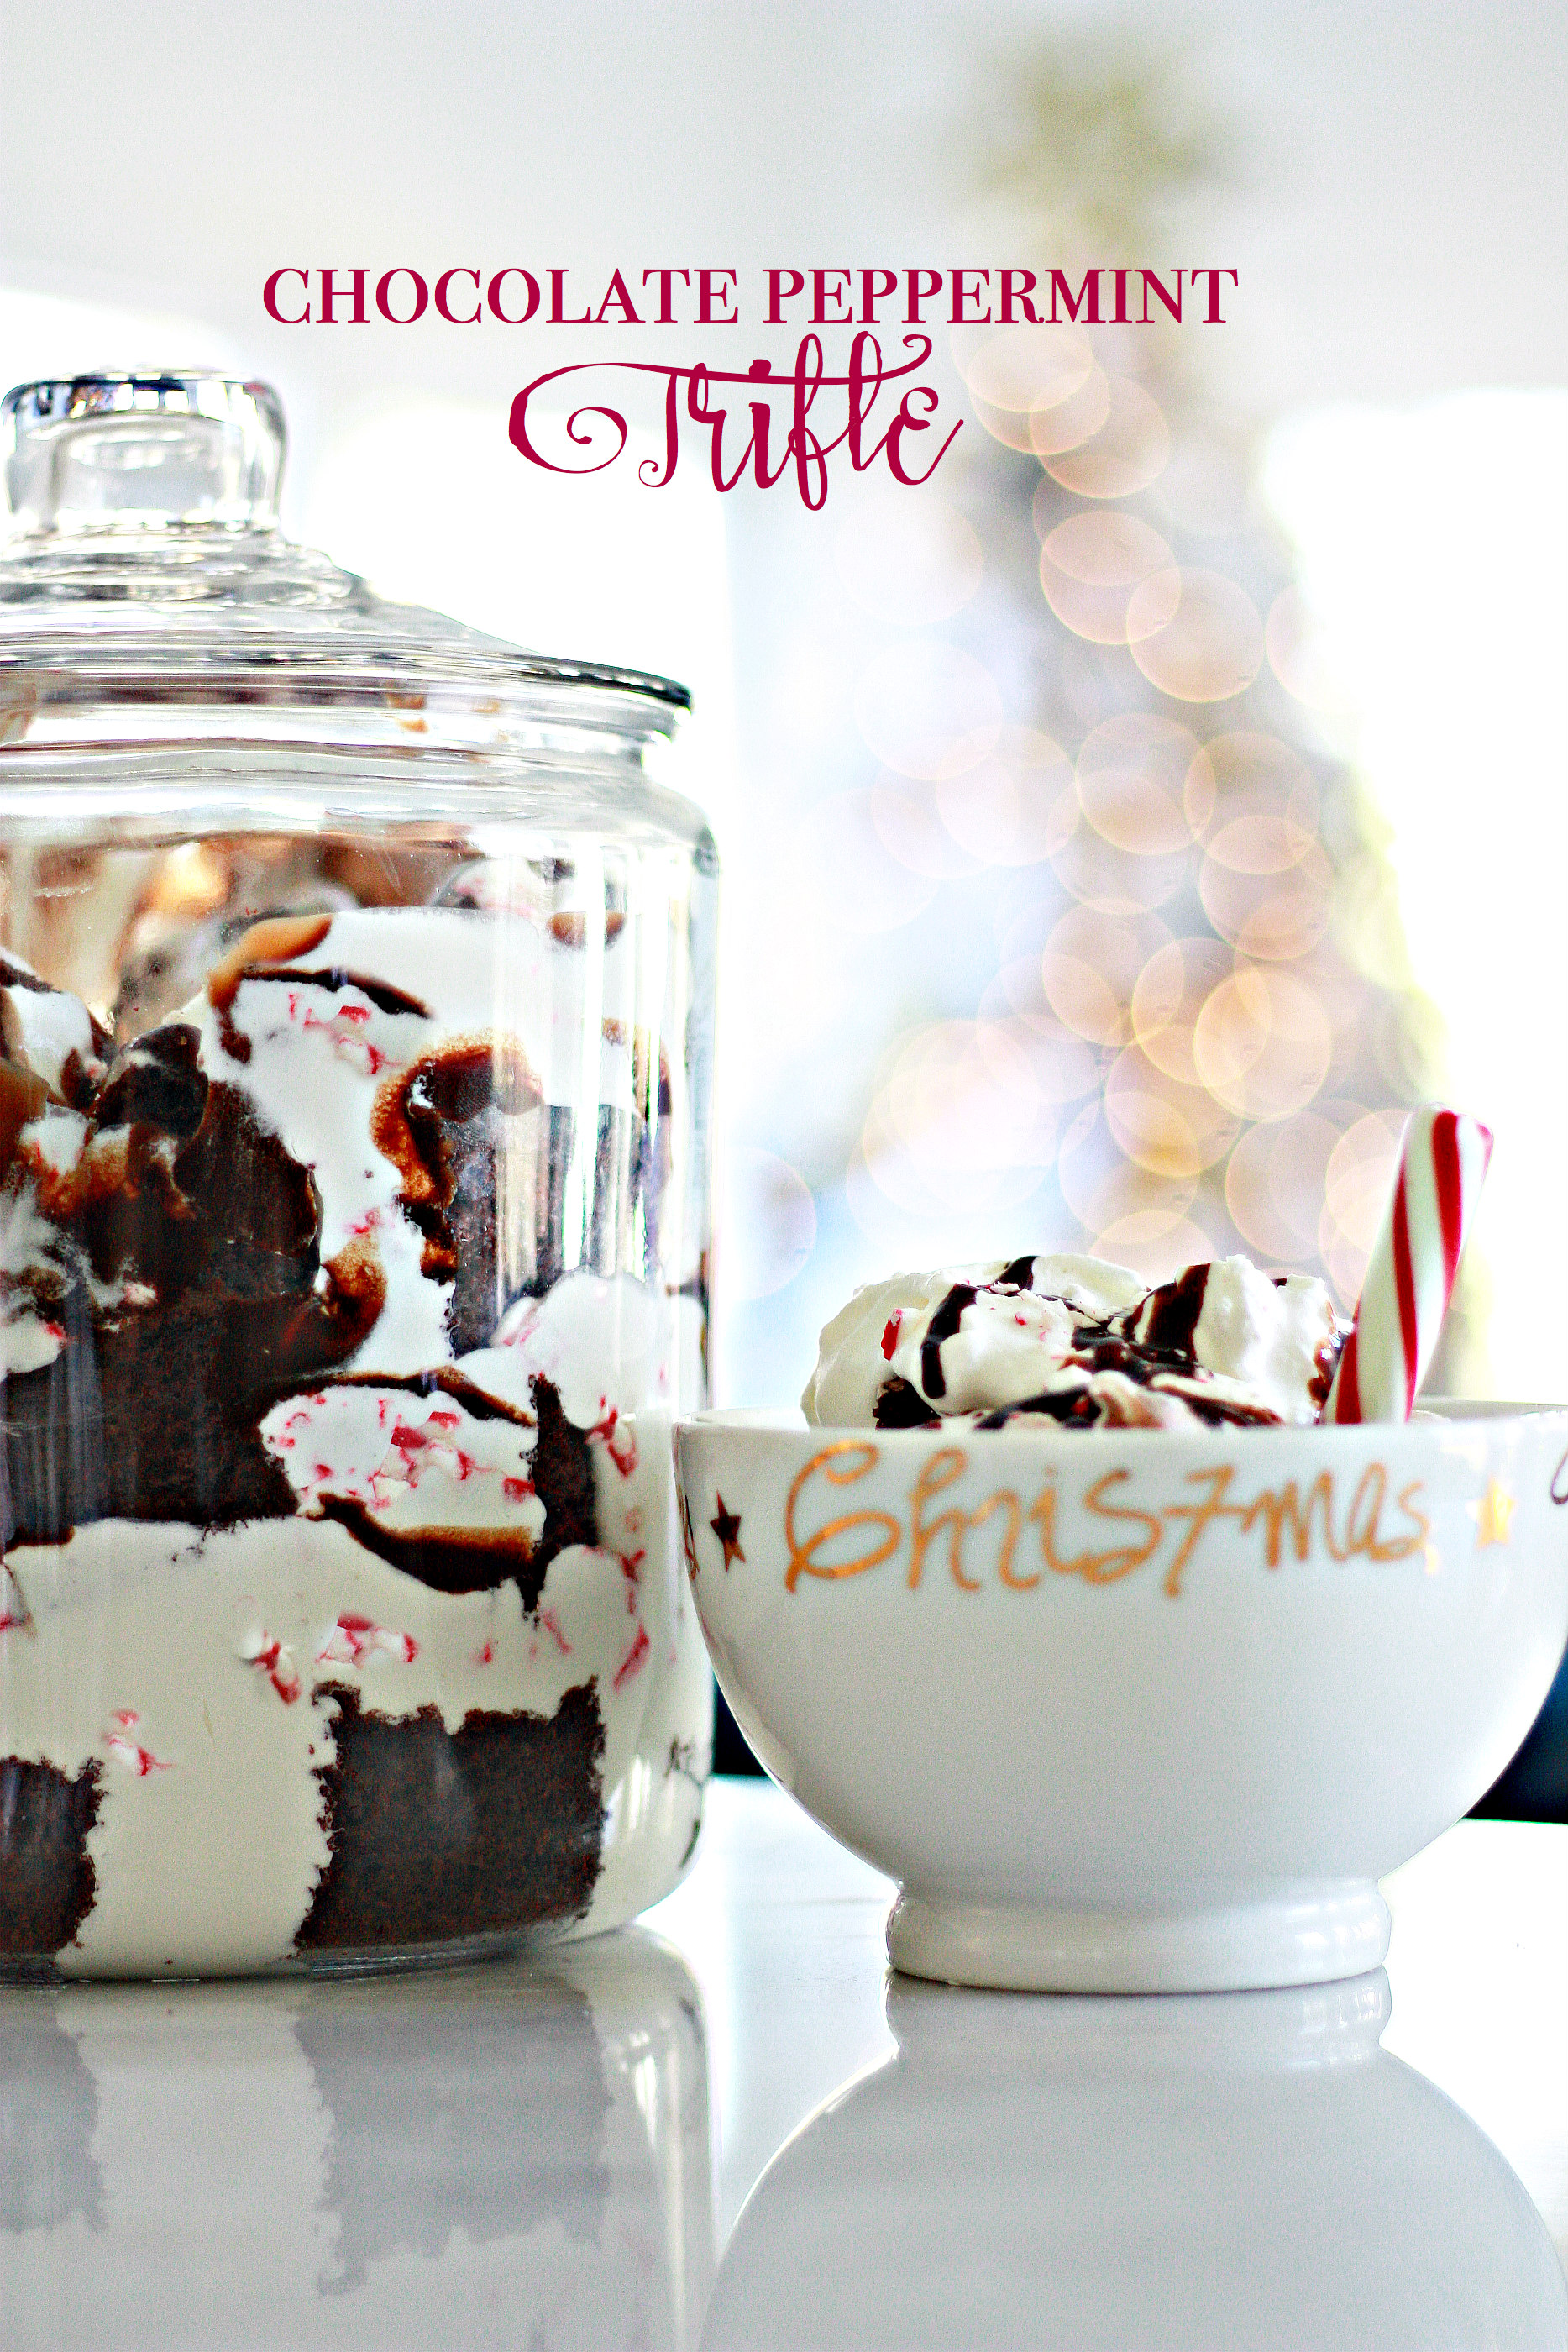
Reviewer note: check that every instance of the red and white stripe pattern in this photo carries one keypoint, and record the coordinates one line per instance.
(1409, 1277)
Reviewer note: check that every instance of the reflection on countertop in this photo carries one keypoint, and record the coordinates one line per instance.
(533, 2157)
(506, 2155)
(1230, 2169)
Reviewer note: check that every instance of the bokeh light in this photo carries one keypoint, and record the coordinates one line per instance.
(769, 1221)
(1094, 871)
(1022, 372)
(1151, 1242)
(1090, 967)
(955, 1124)
(1011, 807)
(1266, 882)
(1171, 1129)
(1102, 1187)
(1263, 1043)
(1096, 566)
(1020, 367)
(1274, 1185)
(1124, 454)
(1199, 638)
(1065, 1066)
(1243, 775)
(1273, 915)
(1131, 777)
(1169, 993)
(1059, 1067)
(1154, 993)
(1303, 655)
(1054, 426)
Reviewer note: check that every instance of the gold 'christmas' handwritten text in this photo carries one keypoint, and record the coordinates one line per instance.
(1027, 1538)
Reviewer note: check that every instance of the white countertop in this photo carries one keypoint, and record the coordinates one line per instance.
(559, 2157)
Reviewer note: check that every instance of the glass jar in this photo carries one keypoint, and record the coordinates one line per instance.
(356, 999)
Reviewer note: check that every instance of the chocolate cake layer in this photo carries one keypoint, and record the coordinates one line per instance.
(437, 1834)
(46, 1878)
(201, 1232)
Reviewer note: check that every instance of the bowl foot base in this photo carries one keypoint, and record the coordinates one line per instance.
(1307, 1936)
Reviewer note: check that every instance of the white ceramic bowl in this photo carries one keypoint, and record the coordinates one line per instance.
(1133, 1710)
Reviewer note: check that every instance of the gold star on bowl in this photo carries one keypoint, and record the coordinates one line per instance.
(1492, 1515)
(725, 1525)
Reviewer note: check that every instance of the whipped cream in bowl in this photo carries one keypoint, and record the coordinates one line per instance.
(1061, 1605)
(1081, 1342)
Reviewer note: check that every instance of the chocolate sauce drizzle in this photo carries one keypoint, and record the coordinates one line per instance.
(334, 978)
(1079, 1409)
(440, 1124)
(14, 975)
(1169, 1319)
(942, 1326)
(446, 1560)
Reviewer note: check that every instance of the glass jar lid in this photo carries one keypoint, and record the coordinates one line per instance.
(145, 586)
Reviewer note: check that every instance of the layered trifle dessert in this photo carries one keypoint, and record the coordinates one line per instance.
(339, 1614)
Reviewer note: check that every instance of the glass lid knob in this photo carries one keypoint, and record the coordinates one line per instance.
(142, 450)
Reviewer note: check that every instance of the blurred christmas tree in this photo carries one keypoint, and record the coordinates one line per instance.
(1202, 996)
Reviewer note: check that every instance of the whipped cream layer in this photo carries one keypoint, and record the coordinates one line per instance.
(1081, 1342)
(340, 1605)
(200, 1680)
(49, 1032)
